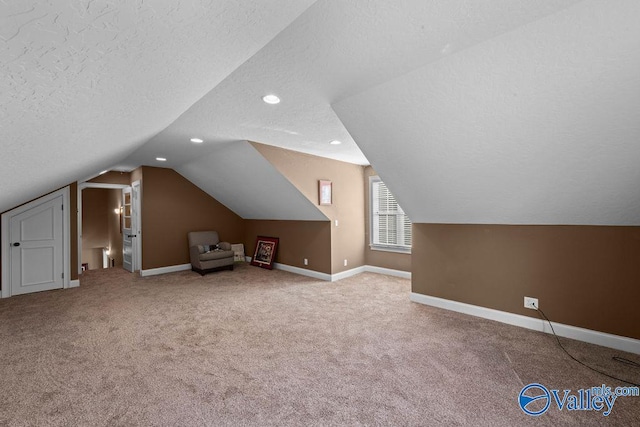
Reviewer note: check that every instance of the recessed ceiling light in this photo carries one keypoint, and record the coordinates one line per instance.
(161, 159)
(335, 142)
(271, 99)
(197, 140)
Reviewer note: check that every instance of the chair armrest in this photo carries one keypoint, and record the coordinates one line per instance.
(194, 256)
(225, 246)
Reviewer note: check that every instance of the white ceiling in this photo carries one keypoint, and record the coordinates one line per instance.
(538, 126)
(257, 191)
(334, 49)
(84, 83)
(116, 84)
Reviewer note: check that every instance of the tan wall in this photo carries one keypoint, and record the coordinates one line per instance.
(95, 225)
(304, 171)
(92, 257)
(114, 226)
(385, 259)
(113, 177)
(298, 240)
(136, 175)
(585, 276)
(171, 207)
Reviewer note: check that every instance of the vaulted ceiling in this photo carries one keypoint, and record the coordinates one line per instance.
(85, 83)
(537, 126)
(496, 111)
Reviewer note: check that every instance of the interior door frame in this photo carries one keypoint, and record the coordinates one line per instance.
(137, 250)
(66, 237)
(128, 233)
(81, 187)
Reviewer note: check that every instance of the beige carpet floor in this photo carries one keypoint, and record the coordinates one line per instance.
(257, 347)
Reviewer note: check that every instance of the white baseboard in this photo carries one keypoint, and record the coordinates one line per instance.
(164, 270)
(370, 269)
(302, 271)
(388, 271)
(348, 273)
(587, 335)
(298, 270)
(342, 274)
(74, 283)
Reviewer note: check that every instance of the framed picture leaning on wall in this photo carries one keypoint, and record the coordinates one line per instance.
(265, 252)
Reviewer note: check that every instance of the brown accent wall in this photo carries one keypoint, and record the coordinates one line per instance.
(585, 276)
(385, 259)
(92, 257)
(113, 177)
(298, 240)
(171, 207)
(136, 175)
(304, 171)
(95, 225)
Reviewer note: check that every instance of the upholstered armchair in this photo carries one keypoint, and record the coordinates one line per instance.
(208, 253)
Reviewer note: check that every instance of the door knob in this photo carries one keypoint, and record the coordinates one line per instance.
(16, 244)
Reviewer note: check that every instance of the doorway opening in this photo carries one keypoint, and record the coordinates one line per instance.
(101, 229)
(108, 226)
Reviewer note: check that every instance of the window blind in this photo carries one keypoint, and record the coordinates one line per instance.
(391, 227)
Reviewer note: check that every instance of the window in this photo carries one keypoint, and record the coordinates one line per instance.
(390, 226)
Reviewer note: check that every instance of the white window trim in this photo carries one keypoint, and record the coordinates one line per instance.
(376, 246)
(387, 248)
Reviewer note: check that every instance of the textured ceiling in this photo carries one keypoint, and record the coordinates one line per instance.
(499, 111)
(538, 126)
(332, 50)
(84, 83)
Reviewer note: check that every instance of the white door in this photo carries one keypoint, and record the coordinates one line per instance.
(135, 225)
(127, 230)
(36, 238)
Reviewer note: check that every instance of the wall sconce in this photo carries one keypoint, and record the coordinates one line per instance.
(118, 211)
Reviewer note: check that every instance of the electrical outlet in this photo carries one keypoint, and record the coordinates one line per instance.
(345, 262)
(306, 261)
(531, 303)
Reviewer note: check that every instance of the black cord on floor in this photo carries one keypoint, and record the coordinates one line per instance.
(626, 361)
(617, 358)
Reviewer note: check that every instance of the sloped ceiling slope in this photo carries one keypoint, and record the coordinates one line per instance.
(334, 49)
(84, 83)
(537, 126)
(254, 191)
